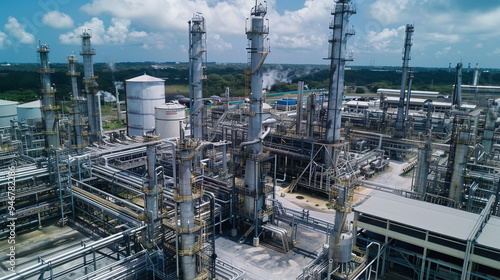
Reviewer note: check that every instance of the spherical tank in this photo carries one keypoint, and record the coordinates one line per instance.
(168, 117)
(30, 110)
(8, 112)
(144, 93)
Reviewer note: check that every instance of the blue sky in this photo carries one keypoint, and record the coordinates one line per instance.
(446, 31)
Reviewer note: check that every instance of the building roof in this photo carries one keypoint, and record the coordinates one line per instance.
(419, 214)
(145, 78)
(32, 104)
(490, 233)
(7, 102)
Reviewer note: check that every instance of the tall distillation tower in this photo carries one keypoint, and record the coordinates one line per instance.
(337, 159)
(49, 107)
(337, 55)
(256, 31)
(78, 120)
(93, 108)
(197, 53)
(400, 123)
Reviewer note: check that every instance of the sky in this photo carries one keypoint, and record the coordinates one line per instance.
(446, 31)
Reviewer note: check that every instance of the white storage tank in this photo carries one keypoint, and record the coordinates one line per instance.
(30, 110)
(168, 117)
(8, 112)
(143, 93)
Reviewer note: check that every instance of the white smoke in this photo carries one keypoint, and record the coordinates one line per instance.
(108, 97)
(282, 75)
(118, 85)
(111, 66)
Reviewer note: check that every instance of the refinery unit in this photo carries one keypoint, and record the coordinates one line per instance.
(203, 194)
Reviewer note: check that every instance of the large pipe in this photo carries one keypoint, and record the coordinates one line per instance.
(400, 124)
(71, 255)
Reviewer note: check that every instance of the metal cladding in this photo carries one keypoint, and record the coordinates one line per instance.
(256, 32)
(78, 120)
(197, 53)
(341, 12)
(49, 107)
(400, 123)
(89, 80)
(143, 94)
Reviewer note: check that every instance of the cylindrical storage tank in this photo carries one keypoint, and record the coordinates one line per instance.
(30, 110)
(8, 112)
(143, 94)
(168, 117)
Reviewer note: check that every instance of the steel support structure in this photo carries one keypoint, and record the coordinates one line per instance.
(89, 80)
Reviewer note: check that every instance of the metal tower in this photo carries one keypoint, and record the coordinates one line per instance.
(256, 31)
(78, 120)
(93, 112)
(341, 12)
(197, 52)
(49, 107)
(457, 90)
(400, 123)
(476, 75)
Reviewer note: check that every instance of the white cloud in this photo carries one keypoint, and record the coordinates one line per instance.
(389, 11)
(3, 40)
(478, 45)
(16, 30)
(385, 41)
(304, 28)
(496, 51)
(56, 19)
(216, 42)
(442, 52)
(117, 33)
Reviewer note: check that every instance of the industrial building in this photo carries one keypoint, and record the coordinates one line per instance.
(209, 194)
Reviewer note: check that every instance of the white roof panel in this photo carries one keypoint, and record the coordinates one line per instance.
(419, 214)
(145, 78)
(490, 236)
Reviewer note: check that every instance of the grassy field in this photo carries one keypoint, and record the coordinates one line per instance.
(173, 90)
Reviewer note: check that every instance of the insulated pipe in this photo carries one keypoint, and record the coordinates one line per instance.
(257, 140)
(66, 257)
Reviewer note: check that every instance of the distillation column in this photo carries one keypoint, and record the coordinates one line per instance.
(337, 54)
(256, 33)
(78, 121)
(49, 107)
(93, 112)
(152, 193)
(400, 123)
(188, 261)
(459, 163)
(489, 130)
(197, 52)
(424, 154)
(457, 91)
(341, 12)
(476, 75)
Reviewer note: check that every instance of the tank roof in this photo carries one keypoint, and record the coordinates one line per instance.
(7, 102)
(145, 78)
(32, 104)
